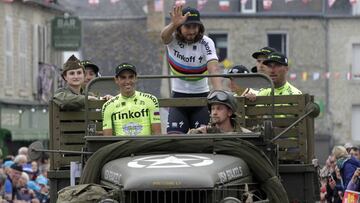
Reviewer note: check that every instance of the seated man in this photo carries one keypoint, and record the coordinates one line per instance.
(131, 112)
(222, 106)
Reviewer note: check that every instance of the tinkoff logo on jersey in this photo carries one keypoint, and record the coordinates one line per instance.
(132, 129)
(130, 114)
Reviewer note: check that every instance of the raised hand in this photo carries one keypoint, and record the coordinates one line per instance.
(177, 18)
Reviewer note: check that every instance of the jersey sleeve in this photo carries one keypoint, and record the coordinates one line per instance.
(154, 110)
(209, 49)
(264, 92)
(106, 113)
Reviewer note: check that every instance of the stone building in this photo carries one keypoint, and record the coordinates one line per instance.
(27, 69)
(322, 43)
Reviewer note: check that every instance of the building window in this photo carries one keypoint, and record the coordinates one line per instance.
(42, 42)
(249, 6)
(356, 61)
(9, 61)
(355, 120)
(278, 40)
(221, 42)
(23, 46)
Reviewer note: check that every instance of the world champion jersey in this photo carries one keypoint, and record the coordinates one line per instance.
(131, 116)
(184, 58)
(286, 89)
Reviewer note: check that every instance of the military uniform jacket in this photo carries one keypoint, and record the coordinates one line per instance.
(67, 99)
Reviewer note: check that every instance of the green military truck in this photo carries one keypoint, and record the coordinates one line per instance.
(271, 164)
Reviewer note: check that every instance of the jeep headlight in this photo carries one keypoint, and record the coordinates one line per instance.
(230, 200)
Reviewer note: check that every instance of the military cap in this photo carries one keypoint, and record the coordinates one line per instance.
(71, 64)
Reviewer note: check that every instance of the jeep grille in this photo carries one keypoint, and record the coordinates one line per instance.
(180, 196)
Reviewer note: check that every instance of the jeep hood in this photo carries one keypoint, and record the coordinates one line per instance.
(174, 171)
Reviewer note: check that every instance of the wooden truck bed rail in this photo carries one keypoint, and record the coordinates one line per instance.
(68, 128)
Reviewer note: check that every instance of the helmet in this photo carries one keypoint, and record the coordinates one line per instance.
(222, 97)
(238, 69)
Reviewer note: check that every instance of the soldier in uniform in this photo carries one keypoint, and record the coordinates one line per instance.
(222, 106)
(71, 96)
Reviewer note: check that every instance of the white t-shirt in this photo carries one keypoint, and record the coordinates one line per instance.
(191, 58)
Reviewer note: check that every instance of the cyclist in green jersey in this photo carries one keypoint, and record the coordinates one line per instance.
(131, 112)
(278, 69)
(277, 64)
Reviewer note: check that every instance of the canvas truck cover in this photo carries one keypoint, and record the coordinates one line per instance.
(175, 171)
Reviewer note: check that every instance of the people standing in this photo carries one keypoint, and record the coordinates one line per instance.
(189, 51)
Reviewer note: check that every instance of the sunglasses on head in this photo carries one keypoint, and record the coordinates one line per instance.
(219, 95)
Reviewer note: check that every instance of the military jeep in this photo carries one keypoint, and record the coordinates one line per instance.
(260, 166)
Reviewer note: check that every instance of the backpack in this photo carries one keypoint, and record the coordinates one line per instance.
(85, 193)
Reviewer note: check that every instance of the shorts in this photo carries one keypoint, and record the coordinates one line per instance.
(181, 119)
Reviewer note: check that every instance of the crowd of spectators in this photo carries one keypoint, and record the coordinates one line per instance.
(23, 180)
(340, 173)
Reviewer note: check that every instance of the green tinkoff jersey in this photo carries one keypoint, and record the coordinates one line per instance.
(131, 116)
(286, 89)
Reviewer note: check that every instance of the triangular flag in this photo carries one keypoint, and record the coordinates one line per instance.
(352, 2)
(224, 5)
(292, 76)
(158, 5)
(304, 76)
(180, 2)
(201, 4)
(316, 75)
(348, 76)
(267, 4)
(331, 3)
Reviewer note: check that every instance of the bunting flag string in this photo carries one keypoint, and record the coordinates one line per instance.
(306, 76)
